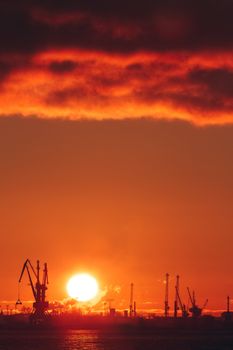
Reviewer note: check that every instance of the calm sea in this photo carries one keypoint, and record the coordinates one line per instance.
(99, 340)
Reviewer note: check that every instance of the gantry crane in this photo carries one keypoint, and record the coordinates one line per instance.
(195, 310)
(39, 287)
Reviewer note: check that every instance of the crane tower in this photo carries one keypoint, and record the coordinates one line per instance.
(38, 286)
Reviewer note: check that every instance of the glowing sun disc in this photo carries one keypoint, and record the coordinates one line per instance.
(82, 287)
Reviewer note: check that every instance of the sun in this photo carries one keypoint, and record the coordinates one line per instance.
(82, 287)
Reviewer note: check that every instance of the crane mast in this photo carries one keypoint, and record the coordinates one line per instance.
(166, 302)
(38, 287)
(182, 306)
(176, 302)
(131, 301)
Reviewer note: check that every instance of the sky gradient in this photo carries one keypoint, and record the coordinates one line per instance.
(127, 201)
(116, 144)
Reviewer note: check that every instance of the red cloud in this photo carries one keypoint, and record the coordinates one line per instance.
(80, 59)
(78, 84)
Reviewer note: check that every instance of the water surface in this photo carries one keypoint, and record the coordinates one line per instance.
(114, 340)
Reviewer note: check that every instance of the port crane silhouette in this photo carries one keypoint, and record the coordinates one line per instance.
(38, 286)
(181, 304)
(195, 310)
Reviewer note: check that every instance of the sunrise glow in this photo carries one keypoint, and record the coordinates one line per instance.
(116, 148)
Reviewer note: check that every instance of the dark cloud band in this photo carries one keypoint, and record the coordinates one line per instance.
(116, 26)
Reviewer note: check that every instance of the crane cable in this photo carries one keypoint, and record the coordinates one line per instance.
(18, 302)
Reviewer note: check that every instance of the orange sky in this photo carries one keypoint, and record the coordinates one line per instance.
(124, 200)
(116, 144)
